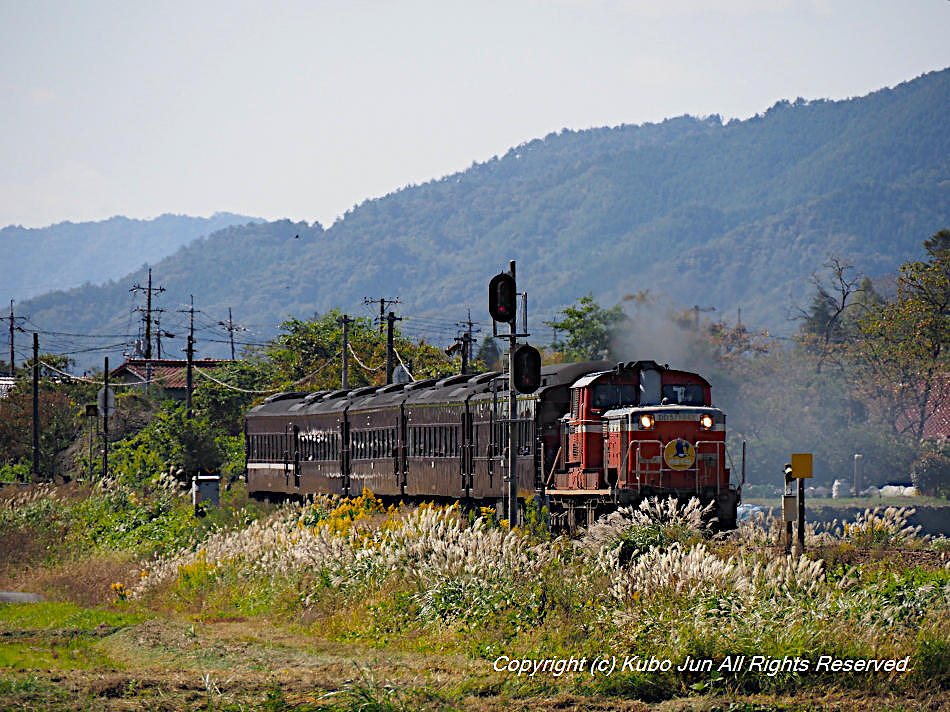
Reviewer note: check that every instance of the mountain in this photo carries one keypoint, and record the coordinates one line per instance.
(39, 260)
(725, 214)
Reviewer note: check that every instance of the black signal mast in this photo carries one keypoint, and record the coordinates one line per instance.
(503, 307)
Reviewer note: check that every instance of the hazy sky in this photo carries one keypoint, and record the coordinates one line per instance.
(303, 109)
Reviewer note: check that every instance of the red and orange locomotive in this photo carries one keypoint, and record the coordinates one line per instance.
(592, 437)
(636, 431)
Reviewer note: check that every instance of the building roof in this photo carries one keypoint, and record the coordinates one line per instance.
(6, 384)
(938, 424)
(165, 373)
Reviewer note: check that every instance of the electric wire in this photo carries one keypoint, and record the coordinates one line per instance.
(365, 367)
(403, 364)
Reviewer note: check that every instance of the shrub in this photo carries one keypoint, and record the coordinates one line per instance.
(881, 528)
(931, 474)
(655, 523)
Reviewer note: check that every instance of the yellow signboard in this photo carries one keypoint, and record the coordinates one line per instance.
(801, 465)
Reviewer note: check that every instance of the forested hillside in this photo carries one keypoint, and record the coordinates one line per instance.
(724, 215)
(65, 255)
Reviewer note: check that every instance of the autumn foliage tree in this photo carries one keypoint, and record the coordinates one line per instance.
(905, 349)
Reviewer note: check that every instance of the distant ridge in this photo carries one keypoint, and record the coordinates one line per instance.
(724, 215)
(68, 254)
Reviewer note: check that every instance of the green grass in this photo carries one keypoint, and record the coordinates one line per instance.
(42, 653)
(49, 615)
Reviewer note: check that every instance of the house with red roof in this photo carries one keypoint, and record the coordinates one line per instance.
(170, 375)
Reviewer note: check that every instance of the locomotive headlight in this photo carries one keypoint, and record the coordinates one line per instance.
(646, 421)
(706, 421)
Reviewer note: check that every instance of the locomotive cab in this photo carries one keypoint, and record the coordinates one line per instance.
(644, 430)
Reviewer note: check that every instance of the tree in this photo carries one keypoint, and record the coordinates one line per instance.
(589, 328)
(308, 355)
(59, 424)
(489, 354)
(824, 328)
(906, 346)
(226, 405)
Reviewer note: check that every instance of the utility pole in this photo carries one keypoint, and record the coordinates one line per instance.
(190, 351)
(384, 302)
(105, 421)
(12, 357)
(148, 311)
(391, 320)
(230, 327)
(696, 309)
(36, 407)
(159, 334)
(346, 321)
(467, 340)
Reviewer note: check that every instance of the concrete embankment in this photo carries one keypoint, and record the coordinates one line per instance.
(19, 597)
(933, 519)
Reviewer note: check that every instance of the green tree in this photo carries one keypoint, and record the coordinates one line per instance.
(171, 441)
(489, 354)
(906, 346)
(308, 355)
(589, 329)
(225, 405)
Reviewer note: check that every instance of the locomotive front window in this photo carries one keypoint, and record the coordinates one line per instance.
(686, 394)
(612, 396)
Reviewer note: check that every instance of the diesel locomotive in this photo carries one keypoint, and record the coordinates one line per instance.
(592, 437)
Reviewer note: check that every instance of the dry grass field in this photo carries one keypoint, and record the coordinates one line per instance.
(348, 605)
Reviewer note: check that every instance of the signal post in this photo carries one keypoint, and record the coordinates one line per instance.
(524, 369)
(799, 469)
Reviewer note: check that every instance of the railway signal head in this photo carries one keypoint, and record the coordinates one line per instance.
(526, 365)
(502, 297)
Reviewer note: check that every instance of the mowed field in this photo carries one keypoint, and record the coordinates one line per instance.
(348, 605)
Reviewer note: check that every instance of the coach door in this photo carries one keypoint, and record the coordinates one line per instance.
(291, 456)
(467, 455)
(345, 454)
(401, 459)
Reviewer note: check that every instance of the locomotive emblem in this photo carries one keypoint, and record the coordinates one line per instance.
(679, 454)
